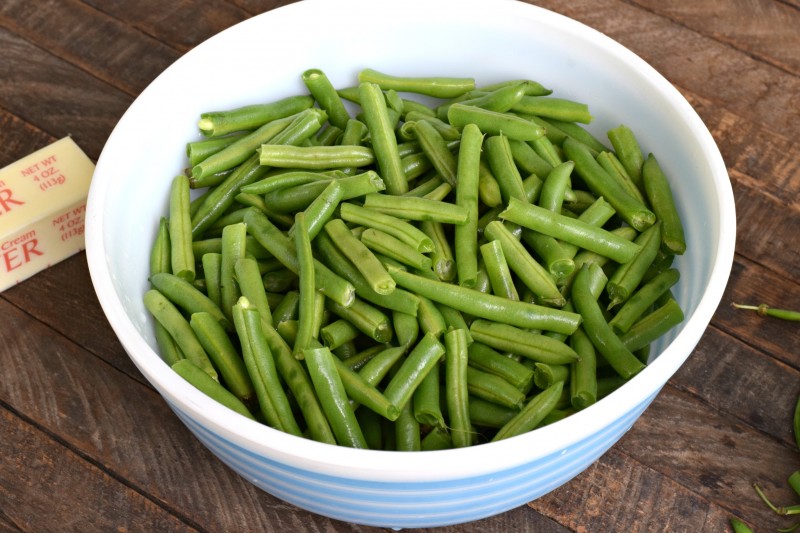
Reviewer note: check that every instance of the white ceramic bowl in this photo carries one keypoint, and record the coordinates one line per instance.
(261, 59)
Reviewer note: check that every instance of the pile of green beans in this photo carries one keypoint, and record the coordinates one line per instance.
(413, 263)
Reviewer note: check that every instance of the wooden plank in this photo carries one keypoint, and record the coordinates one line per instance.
(617, 493)
(40, 482)
(695, 62)
(56, 97)
(19, 138)
(743, 383)
(261, 6)
(182, 24)
(766, 29)
(105, 47)
(751, 283)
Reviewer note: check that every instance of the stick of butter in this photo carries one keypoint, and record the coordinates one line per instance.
(42, 209)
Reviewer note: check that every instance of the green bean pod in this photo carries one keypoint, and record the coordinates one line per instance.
(418, 209)
(631, 210)
(652, 326)
(325, 94)
(210, 387)
(396, 227)
(628, 151)
(493, 122)
(487, 359)
(659, 193)
(437, 86)
(583, 375)
(186, 296)
(501, 162)
(179, 329)
(223, 354)
(426, 403)
(179, 227)
(333, 397)
(364, 393)
(647, 295)
(493, 388)
(554, 108)
(506, 338)
(532, 413)
(315, 157)
(217, 123)
(371, 321)
(628, 276)
(382, 137)
(600, 333)
(488, 306)
(413, 370)
(498, 271)
(385, 244)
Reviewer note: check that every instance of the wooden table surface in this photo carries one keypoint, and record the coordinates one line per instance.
(87, 445)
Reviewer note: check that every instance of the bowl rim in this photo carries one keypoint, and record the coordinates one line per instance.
(387, 466)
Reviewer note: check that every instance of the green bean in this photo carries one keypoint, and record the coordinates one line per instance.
(487, 359)
(284, 180)
(501, 99)
(493, 122)
(628, 151)
(439, 86)
(583, 375)
(635, 307)
(325, 94)
(160, 252)
(179, 329)
(307, 288)
(615, 169)
(545, 374)
(248, 277)
(527, 160)
(555, 184)
(338, 333)
(181, 254)
(184, 295)
(364, 393)
(522, 263)
(596, 214)
(490, 307)
(430, 318)
(360, 256)
(167, 347)
(239, 151)
(599, 182)
(659, 193)
(738, 526)
(370, 320)
(489, 192)
(217, 123)
(628, 276)
(493, 388)
(280, 280)
(506, 338)
(547, 150)
(766, 310)
(385, 244)
(554, 108)
(532, 413)
(233, 249)
(316, 157)
(381, 363)
(652, 326)
(576, 132)
(406, 329)
(501, 162)
(442, 258)
(600, 333)
(197, 151)
(223, 354)
(210, 387)
(489, 414)
(448, 132)
(269, 236)
(436, 439)
(413, 370)
(212, 263)
(498, 271)
(399, 299)
(435, 149)
(419, 209)
(571, 230)
(389, 224)
(260, 365)
(355, 134)
(456, 387)
(554, 257)
(407, 433)
(382, 138)
(333, 398)
(321, 209)
(454, 320)
(425, 401)
(371, 426)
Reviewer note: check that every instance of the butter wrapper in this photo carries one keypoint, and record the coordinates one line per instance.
(42, 209)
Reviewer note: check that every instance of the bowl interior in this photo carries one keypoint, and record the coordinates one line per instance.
(261, 60)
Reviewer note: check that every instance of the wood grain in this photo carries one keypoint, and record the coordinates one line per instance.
(79, 420)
